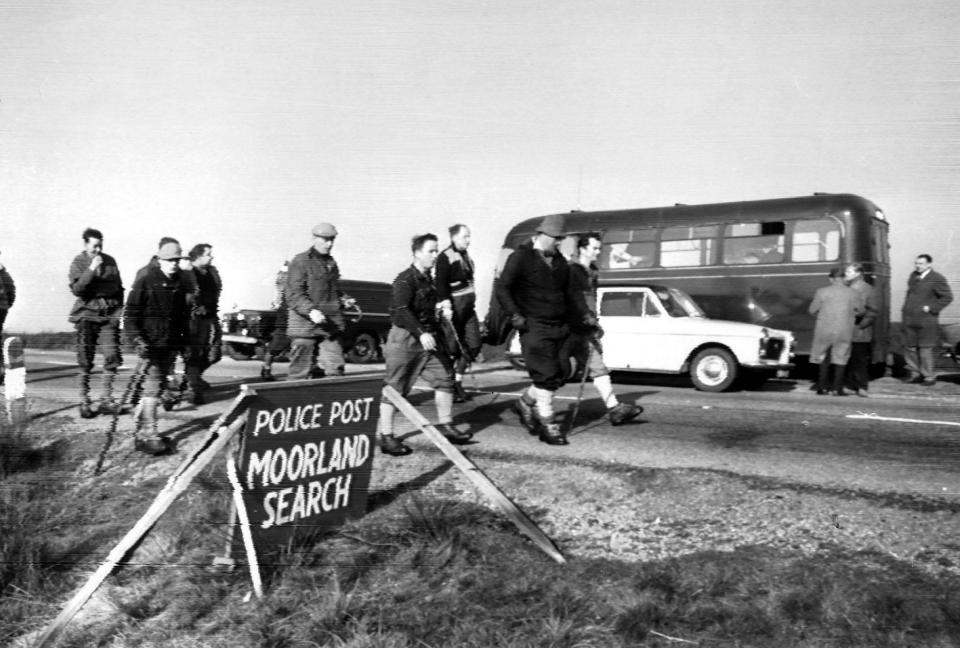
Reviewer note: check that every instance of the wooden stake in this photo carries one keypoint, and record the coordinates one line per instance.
(506, 506)
(175, 486)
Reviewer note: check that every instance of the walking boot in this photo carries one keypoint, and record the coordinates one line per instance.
(391, 445)
(459, 394)
(107, 403)
(453, 435)
(86, 405)
(624, 413)
(551, 434)
(266, 375)
(525, 411)
(146, 435)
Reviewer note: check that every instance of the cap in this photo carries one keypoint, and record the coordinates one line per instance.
(170, 252)
(552, 225)
(326, 230)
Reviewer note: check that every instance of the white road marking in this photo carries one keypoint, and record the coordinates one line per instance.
(875, 417)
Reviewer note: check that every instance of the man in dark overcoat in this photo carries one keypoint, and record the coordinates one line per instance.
(928, 293)
(836, 307)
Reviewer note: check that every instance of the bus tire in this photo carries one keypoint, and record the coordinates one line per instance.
(364, 350)
(714, 370)
(239, 351)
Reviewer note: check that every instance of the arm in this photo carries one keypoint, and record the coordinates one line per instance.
(443, 277)
(133, 311)
(941, 291)
(401, 302)
(8, 286)
(80, 275)
(298, 297)
(503, 287)
(870, 310)
(816, 303)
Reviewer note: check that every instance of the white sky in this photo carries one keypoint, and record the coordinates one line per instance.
(243, 124)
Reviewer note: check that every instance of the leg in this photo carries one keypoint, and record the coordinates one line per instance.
(927, 370)
(87, 333)
(330, 356)
(160, 363)
(301, 358)
(838, 372)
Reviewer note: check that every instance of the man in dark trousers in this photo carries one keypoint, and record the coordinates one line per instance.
(155, 321)
(315, 315)
(203, 345)
(861, 351)
(94, 279)
(8, 294)
(414, 348)
(534, 289)
(836, 307)
(279, 342)
(455, 286)
(928, 293)
(584, 343)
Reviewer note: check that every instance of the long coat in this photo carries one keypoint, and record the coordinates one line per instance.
(836, 307)
(313, 282)
(932, 291)
(863, 331)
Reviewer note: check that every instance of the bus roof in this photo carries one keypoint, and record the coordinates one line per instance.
(815, 206)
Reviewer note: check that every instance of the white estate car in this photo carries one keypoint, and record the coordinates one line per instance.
(652, 328)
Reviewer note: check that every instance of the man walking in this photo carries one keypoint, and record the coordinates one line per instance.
(315, 318)
(414, 348)
(94, 279)
(836, 307)
(8, 294)
(534, 289)
(584, 342)
(156, 322)
(928, 293)
(861, 352)
(203, 345)
(279, 342)
(455, 285)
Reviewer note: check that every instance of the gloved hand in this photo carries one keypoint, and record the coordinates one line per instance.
(428, 342)
(518, 322)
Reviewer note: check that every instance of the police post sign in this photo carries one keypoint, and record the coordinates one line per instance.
(306, 456)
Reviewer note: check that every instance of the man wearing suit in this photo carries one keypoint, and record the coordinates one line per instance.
(928, 293)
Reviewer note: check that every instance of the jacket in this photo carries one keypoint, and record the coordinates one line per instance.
(206, 301)
(157, 309)
(534, 285)
(863, 328)
(313, 282)
(454, 274)
(8, 291)
(99, 292)
(413, 302)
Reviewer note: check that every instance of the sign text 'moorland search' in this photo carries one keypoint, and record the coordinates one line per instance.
(306, 476)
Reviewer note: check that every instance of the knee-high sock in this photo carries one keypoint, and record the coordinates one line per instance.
(605, 387)
(444, 402)
(386, 418)
(544, 399)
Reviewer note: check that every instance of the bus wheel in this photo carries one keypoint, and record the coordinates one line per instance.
(713, 370)
(365, 349)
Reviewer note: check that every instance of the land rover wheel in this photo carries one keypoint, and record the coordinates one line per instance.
(713, 370)
(365, 349)
(239, 351)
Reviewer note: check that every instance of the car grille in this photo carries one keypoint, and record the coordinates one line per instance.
(772, 348)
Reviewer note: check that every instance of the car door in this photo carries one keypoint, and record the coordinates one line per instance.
(636, 330)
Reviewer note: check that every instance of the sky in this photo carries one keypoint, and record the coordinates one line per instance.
(243, 124)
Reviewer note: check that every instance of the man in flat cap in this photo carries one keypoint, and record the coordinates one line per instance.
(534, 288)
(155, 321)
(315, 303)
(94, 279)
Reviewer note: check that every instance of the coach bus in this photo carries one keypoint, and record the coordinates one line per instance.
(756, 261)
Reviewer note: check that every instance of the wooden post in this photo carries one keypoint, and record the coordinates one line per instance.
(497, 497)
(174, 487)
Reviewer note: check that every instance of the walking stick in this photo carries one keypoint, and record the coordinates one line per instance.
(583, 381)
(136, 378)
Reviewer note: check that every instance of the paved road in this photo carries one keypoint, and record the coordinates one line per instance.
(905, 439)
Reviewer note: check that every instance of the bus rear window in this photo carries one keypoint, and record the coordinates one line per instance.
(815, 240)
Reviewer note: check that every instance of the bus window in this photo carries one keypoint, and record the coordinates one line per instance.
(623, 249)
(753, 243)
(687, 246)
(815, 240)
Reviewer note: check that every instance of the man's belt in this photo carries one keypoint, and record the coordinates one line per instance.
(463, 291)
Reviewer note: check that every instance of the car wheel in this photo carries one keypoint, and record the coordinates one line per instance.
(239, 351)
(364, 350)
(713, 370)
